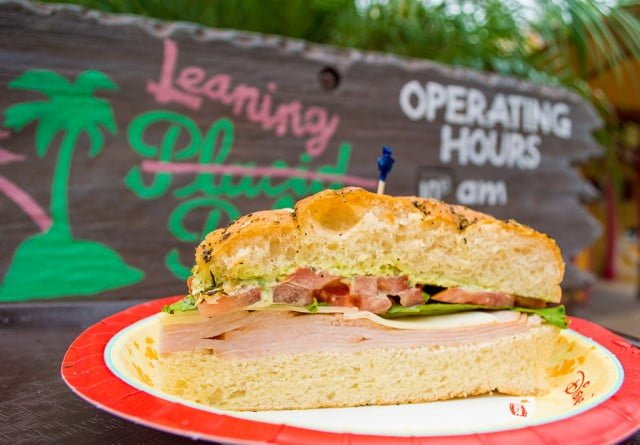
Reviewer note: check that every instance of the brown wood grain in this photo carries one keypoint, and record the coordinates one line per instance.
(129, 49)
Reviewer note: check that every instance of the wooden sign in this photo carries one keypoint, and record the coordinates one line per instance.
(124, 140)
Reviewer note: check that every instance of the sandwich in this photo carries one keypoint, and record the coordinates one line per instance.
(353, 298)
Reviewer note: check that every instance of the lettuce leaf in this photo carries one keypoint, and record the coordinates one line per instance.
(313, 307)
(429, 309)
(553, 315)
(188, 303)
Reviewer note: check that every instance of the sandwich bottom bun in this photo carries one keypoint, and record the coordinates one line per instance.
(514, 364)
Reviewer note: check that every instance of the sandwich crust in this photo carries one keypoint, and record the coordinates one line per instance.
(355, 232)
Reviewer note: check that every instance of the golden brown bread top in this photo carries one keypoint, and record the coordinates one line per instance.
(352, 231)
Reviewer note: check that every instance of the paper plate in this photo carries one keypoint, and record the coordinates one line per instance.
(595, 397)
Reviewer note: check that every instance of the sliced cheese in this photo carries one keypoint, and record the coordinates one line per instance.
(449, 321)
(303, 309)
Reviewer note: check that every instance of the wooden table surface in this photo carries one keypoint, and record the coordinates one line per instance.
(36, 406)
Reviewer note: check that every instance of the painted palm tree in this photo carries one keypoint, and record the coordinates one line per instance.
(54, 264)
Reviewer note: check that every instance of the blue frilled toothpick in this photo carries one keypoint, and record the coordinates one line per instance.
(385, 164)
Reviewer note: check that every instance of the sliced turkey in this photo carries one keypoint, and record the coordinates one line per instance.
(244, 334)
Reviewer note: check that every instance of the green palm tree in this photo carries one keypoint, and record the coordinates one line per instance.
(54, 264)
(71, 109)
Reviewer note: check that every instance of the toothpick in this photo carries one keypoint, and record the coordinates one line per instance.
(385, 164)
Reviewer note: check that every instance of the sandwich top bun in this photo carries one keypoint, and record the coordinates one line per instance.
(353, 232)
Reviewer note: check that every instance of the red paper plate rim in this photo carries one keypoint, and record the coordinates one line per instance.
(86, 373)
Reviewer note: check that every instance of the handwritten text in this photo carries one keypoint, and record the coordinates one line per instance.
(192, 85)
(172, 144)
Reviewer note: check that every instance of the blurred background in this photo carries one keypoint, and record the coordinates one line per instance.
(90, 223)
(590, 47)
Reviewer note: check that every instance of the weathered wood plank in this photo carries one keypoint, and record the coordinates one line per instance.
(188, 96)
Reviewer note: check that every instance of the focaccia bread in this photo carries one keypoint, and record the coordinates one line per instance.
(352, 232)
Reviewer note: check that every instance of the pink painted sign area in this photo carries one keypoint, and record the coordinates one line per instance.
(192, 86)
